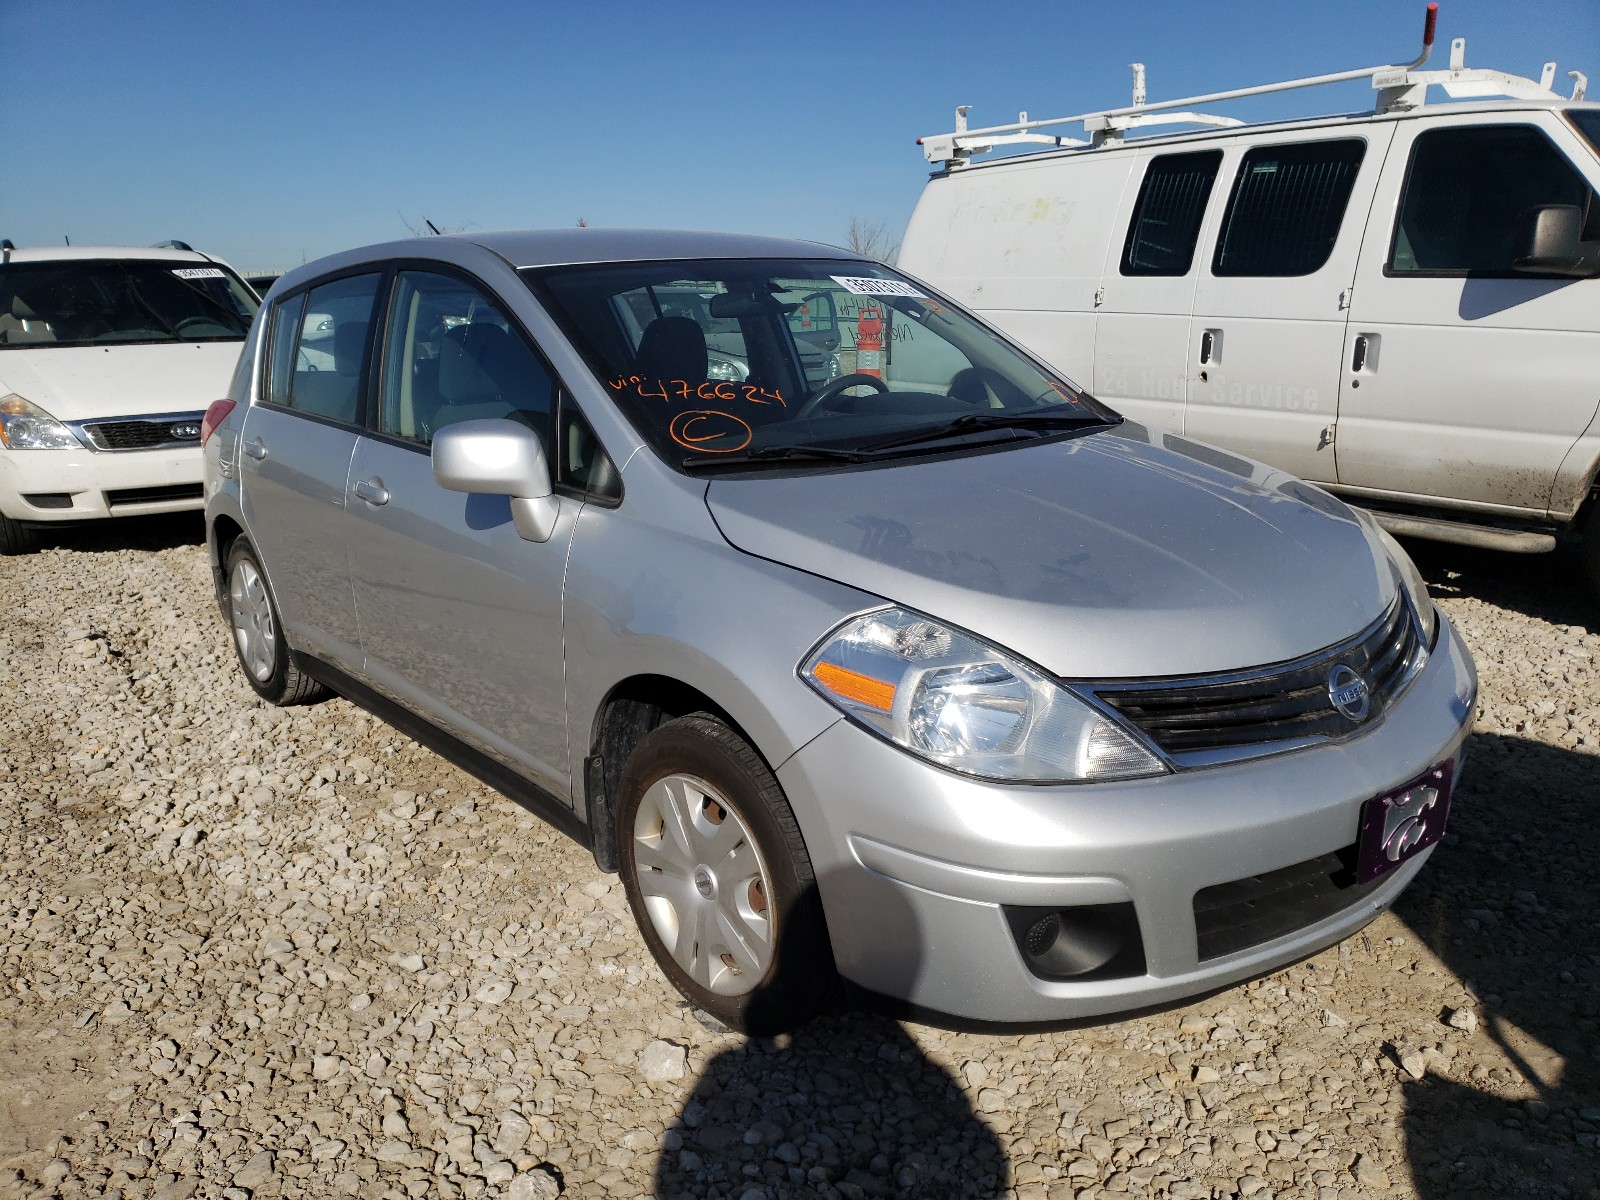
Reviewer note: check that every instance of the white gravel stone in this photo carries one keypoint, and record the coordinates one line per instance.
(662, 1061)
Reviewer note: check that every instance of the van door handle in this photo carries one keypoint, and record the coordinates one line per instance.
(1208, 346)
(256, 449)
(372, 491)
(1358, 360)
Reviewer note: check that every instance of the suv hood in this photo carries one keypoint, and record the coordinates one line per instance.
(1125, 553)
(81, 383)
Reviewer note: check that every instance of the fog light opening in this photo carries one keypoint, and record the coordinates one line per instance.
(1081, 942)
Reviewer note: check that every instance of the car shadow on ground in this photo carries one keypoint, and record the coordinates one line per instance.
(847, 1105)
(165, 532)
(1550, 587)
(1509, 904)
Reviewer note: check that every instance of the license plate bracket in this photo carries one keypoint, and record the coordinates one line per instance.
(1400, 824)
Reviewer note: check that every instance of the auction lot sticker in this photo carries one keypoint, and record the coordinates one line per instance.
(863, 286)
(199, 273)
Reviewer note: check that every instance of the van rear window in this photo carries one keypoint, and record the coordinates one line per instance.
(1166, 219)
(1286, 208)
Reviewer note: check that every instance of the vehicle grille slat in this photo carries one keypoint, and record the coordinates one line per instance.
(144, 433)
(1276, 703)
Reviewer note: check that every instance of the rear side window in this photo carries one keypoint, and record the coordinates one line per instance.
(1470, 195)
(1286, 208)
(331, 333)
(285, 337)
(1166, 219)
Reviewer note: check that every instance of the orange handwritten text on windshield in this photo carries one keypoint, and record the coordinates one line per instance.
(709, 431)
(724, 391)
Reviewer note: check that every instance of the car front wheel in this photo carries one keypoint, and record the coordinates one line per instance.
(719, 879)
(257, 634)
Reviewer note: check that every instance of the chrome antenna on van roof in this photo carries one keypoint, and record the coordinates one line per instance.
(1399, 88)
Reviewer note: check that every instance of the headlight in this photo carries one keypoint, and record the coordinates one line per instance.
(724, 368)
(1416, 588)
(961, 703)
(25, 426)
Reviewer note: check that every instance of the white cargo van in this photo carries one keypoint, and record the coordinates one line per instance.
(1400, 305)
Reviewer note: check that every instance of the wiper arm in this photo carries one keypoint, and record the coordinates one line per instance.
(777, 454)
(994, 419)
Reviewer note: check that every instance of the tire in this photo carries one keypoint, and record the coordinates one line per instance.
(1589, 545)
(728, 905)
(257, 634)
(17, 538)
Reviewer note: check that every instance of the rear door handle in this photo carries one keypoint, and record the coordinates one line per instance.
(256, 448)
(372, 491)
(1208, 346)
(1358, 360)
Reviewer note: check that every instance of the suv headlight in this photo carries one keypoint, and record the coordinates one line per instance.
(1415, 587)
(26, 426)
(956, 701)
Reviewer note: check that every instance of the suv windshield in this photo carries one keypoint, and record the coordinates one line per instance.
(100, 301)
(729, 362)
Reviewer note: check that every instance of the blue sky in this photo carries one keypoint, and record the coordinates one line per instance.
(269, 133)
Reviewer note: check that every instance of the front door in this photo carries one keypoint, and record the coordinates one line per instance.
(1465, 380)
(461, 617)
(1269, 312)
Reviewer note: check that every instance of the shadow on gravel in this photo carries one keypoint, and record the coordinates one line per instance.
(847, 1106)
(1510, 905)
(1549, 587)
(127, 533)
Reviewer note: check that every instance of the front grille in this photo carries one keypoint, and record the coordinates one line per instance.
(145, 433)
(1234, 916)
(1278, 703)
(155, 495)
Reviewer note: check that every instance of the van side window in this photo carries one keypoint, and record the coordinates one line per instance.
(1286, 208)
(332, 349)
(1468, 197)
(1166, 218)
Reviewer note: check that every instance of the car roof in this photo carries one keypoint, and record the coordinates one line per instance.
(39, 254)
(564, 247)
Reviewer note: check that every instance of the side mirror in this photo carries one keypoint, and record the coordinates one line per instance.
(1554, 244)
(499, 458)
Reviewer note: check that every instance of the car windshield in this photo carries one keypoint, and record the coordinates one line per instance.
(728, 363)
(92, 302)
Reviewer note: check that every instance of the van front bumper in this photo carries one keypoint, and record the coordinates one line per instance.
(83, 484)
(929, 879)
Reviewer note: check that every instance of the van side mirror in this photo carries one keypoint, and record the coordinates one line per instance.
(499, 458)
(1554, 244)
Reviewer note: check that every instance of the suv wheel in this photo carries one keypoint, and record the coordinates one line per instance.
(258, 640)
(719, 879)
(17, 538)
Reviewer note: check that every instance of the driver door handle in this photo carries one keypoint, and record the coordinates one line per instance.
(372, 491)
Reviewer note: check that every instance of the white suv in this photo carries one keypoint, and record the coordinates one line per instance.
(109, 356)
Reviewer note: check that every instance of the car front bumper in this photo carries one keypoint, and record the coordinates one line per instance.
(83, 484)
(923, 873)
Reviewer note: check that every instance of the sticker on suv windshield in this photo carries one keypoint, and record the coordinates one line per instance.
(863, 286)
(199, 273)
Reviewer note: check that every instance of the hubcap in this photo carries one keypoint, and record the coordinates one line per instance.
(704, 884)
(253, 630)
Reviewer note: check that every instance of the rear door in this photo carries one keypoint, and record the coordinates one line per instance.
(1466, 381)
(1269, 311)
(294, 453)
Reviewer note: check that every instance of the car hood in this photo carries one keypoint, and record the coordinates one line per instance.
(1125, 553)
(81, 383)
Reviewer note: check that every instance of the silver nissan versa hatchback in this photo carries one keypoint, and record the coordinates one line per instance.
(889, 654)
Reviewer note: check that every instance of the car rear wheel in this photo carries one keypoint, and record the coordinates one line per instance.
(17, 538)
(719, 879)
(257, 634)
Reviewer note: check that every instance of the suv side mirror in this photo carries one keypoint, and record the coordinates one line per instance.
(499, 458)
(1554, 244)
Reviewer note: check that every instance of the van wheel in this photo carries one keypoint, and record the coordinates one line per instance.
(17, 538)
(1589, 545)
(258, 641)
(719, 879)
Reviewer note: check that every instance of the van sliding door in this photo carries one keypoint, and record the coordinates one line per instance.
(1269, 312)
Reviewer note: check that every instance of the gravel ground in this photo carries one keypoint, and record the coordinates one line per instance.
(247, 952)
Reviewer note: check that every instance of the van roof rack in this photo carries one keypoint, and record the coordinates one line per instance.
(1399, 89)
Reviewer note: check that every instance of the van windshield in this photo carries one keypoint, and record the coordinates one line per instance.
(1587, 122)
(738, 362)
(91, 302)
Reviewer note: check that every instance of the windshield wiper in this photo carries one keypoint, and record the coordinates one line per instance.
(776, 454)
(994, 419)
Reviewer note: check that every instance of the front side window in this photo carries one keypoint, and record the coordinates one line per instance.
(332, 331)
(1167, 215)
(1469, 198)
(102, 302)
(1287, 205)
(790, 360)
